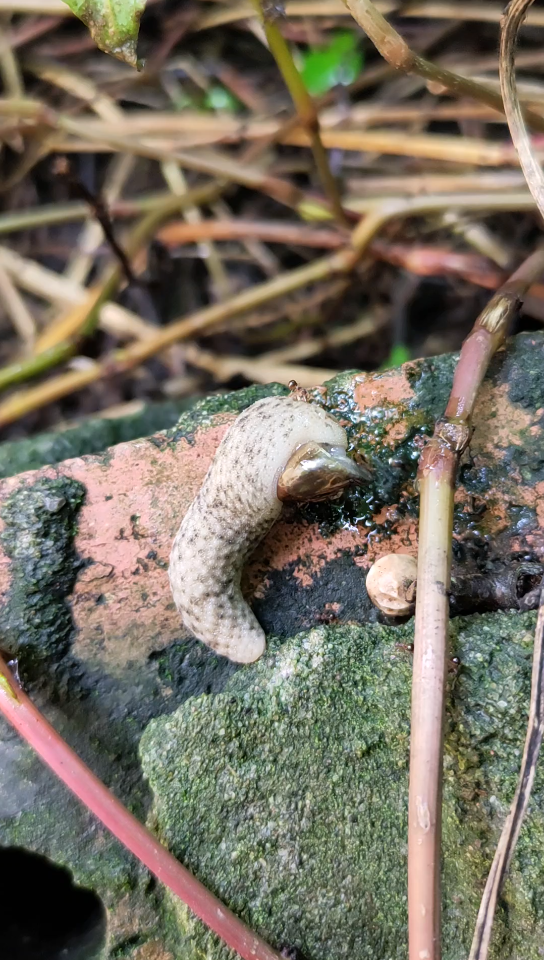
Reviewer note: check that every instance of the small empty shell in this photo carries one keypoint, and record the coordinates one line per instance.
(390, 584)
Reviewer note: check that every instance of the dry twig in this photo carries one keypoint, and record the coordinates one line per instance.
(340, 263)
(514, 16)
(511, 23)
(397, 52)
(510, 831)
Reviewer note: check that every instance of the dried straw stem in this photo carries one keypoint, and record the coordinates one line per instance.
(60, 339)
(436, 9)
(397, 53)
(510, 832)
(215, 164)
(340, 263)
(511, 23)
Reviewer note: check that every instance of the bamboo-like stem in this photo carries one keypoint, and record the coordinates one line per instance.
(21, 713)
(397, 52)
(304, 105)
(436, 479)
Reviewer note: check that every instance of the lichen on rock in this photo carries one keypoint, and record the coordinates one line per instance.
(90, 436)
(201, 413)
(39, 528)
(287, 792)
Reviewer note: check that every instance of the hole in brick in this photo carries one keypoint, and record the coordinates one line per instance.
(43, 914)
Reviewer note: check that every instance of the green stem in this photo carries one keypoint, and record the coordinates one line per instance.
(55, 213)
(305, 107)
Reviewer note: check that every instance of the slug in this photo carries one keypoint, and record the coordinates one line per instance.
(280, 448)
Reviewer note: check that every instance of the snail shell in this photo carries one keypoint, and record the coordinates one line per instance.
(278, 449)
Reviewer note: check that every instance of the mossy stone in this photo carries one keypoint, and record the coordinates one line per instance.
(286, 793)
(91, 436)
(202, 412)
(40, 522)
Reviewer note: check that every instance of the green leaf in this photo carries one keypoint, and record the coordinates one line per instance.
(113, 25)
(339, 63)
(219, 98)
(399, 355)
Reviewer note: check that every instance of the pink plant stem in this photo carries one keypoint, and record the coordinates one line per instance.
(436, 479)
(19, 710)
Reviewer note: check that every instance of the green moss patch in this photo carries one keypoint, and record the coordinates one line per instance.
(287, 792)
(203, 411)
(40, 525)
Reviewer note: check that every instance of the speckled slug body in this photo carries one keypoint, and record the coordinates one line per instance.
(236, 506)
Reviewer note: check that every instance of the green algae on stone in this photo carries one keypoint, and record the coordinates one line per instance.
(431, 381)
(394, 464)
(520, 366)
(38, 537)
(287, 793)
(91, 436)
(521, 370)
(201, 414)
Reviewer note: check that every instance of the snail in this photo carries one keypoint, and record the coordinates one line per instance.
(391, 584)
(279, 449)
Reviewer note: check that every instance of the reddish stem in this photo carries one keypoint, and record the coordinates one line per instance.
(19, 710)
(436, 480)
